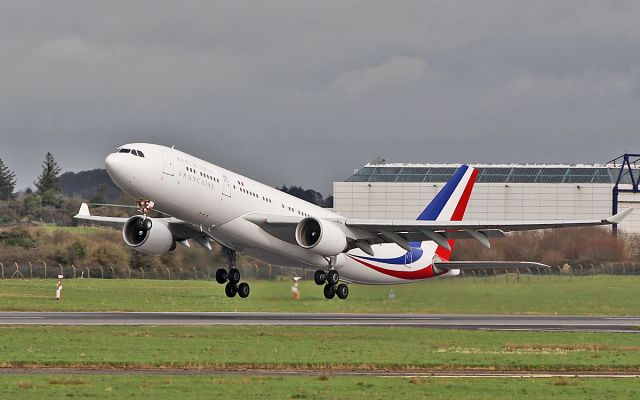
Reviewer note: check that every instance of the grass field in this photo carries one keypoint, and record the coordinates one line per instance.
(325, 388)
(327, 348)
(589, 295)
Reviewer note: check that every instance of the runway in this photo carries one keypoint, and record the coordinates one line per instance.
(449, 321)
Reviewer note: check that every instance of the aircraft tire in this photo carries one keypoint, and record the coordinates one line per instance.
(329, 291)
(333, 277)
(230, 290)
(320, 277)
(342, 291)
(221, 276)
(243, 290)
(233, 276)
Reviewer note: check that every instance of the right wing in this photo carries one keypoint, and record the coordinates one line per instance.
(85, 215)
(181, 230)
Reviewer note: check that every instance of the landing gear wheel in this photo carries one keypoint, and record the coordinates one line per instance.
(332, 277)
(320, 277)
(243, 290)
(342, 291)
(329, 291)
(233, 276)
(147, 224)
(221, 276)
(230, 290)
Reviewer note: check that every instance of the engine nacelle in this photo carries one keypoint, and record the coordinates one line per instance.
(321, 236)
(156, 241)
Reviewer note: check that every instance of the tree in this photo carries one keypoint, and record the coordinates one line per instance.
(48, 183)
(7, 182)
(48, 179)
(100, 197)
(309, 195)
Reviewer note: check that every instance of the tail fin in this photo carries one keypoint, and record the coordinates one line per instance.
(451, 202)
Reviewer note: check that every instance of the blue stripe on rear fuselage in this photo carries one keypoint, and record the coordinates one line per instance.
(416, 253)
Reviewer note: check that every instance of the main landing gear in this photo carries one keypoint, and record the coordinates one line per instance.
(330, 281)
(232, 277)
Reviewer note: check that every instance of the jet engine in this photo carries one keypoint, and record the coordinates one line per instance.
(321, 236)
(155, 241)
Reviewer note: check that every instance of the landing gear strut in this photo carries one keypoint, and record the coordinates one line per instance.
(330, 281)
(232, 277)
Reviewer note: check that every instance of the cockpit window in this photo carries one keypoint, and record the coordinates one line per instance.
(134, 152)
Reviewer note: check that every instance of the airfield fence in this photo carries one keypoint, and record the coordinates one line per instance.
(43, 270)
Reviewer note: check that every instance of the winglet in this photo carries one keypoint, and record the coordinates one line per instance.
(616, 219)
(84, 210)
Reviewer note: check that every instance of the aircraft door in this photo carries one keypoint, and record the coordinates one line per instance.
(408, 259)
(226, 186)
(167, 163)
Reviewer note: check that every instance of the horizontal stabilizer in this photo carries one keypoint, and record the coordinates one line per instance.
(479, 265)
(616, 219)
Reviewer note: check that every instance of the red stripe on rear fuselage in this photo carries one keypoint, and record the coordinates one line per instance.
(423, 273)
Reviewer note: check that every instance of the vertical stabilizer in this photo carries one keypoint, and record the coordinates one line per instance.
(450, 203)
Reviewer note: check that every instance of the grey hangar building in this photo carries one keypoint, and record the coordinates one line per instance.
(381, 190)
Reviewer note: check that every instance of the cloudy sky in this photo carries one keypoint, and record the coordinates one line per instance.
(303, 92)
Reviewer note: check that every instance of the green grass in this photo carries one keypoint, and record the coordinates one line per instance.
(247, 388)
(591, 295)
(71, 229)
(314, 347)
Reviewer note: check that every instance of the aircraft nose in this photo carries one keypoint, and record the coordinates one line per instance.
(115, 165)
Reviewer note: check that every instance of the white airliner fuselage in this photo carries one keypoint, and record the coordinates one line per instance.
(218, 200)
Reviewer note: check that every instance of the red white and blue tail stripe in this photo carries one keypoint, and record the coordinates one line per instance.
(448, 205)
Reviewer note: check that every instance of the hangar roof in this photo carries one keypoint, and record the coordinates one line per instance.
(491, 173)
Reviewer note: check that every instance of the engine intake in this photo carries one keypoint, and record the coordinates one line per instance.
(155, 241)
(321, 236)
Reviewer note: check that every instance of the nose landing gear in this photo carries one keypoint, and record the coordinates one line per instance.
(232, 277)
(145, 207)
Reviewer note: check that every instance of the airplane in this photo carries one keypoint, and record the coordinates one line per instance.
(207, 203)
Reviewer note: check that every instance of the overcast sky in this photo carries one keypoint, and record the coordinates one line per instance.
(303, 92)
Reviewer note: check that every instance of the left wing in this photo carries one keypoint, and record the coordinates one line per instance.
(367, 232)
(402, 232)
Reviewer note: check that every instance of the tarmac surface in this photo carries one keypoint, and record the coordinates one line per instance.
(629, 324)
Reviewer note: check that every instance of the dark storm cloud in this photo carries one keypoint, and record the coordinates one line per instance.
(296, 92)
